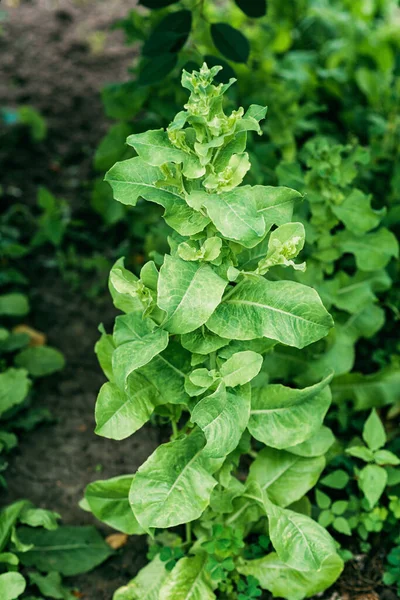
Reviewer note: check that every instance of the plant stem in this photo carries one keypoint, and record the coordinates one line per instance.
(188, 528)
(175, 431)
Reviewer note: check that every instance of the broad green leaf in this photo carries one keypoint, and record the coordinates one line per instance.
(8, 518)
(40, 361)
(39, 517)
(283, 581)
(51, 585)
(120, 413)
(108, 500)
(316, 445)
(203, 341)
(337, 480)
(356, 213)
(235, 215)
(14, 305)
(174, 485)
(9, 558)
(282, 417)
(156, 149)
(68, 550)
(231, 176)
(275, 204)
(232, 44)
(167, 373)
(132, 179)
(223, 417)
(188, 581)
(352, 294)
(189, 293)
(368, 391)
(298, 540)
(374, 432)
(372, 481)
(284, 476)
(147, 583)
(241, 368)
(138, 341)
(12, 585)
(372, 251)
(14, 387)
(282, 310)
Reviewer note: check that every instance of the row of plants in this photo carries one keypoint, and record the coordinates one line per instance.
(328, 72)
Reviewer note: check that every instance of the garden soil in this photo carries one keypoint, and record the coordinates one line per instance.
(56, 55)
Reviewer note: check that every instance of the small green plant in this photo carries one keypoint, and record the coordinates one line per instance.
(190, 347)
(32, 541)
(392, 571)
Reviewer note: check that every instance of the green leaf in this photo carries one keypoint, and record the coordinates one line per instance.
(40, 361)
(284, 476)
(123, 286)
(253, 9)
(384, 457)
(372, 481)
(132, 179)
(108, 500)
(188, 581)
(342, 526)
(368, 391)
(169, 35)
(235, 215)
(189, 293)
(8, 518)
(155, 148)
(356, 213)
(337, 479)
(123, 101)
(284, 244)
(241, 368)
(374, 434)
(372, 251)
(316, 445)
(147, 583)
(275, 204)
(283, 581)
(353, 294)
(203, 341)
(14, 387)
(68, 550)
(323, 501)
(12, 585)
(120, 413)
(223, 417)
(51, 585)
(174, 485)
(361, 452)
(230, 42)
(282, 310)
(104, 349)
(14, 305)
(298, 540)
(282, 417)
(167, 372)
(156, 68)
(39, 517)
(138, 341)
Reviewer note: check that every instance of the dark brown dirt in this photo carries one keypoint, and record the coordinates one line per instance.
(54, 463)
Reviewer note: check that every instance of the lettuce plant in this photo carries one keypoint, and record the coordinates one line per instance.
(190, 347)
